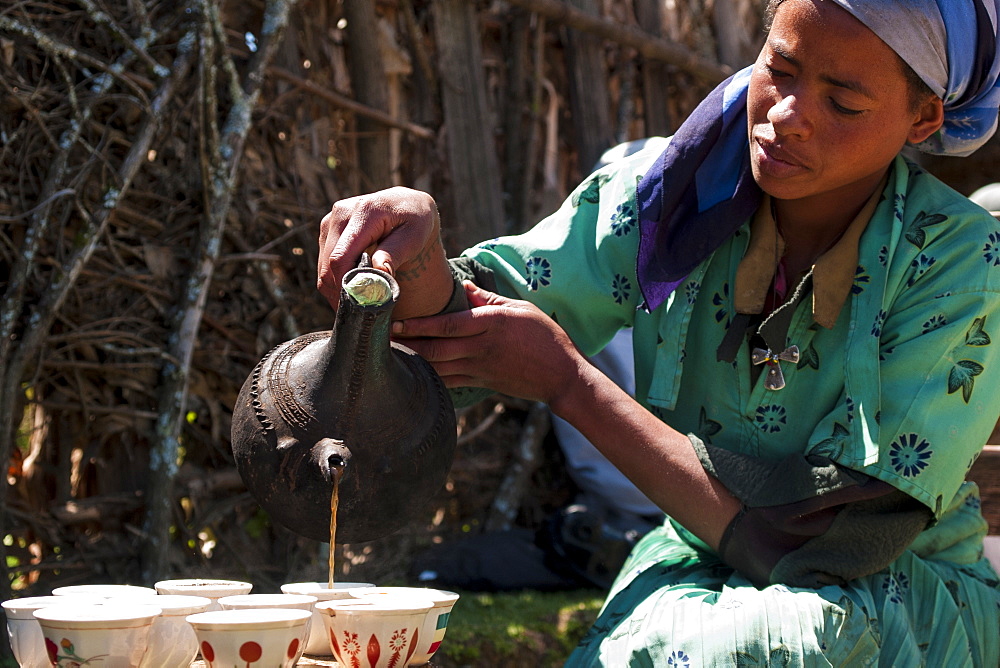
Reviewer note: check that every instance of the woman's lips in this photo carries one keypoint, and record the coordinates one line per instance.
(776, 162)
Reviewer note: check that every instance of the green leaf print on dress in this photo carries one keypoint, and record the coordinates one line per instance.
(833, 445)
(809, 357)
(916, 235)
(963, 375)
(706, 427)
(592, 193)
(977, 336)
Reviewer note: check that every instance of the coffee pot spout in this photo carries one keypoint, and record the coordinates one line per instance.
(331, 457)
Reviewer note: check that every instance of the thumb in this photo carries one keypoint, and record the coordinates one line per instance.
(477, 296)
(381, 259)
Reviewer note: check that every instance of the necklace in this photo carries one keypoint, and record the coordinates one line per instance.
(777, 317)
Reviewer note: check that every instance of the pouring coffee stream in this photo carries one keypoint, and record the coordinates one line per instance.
(334, 503)
(347, 404)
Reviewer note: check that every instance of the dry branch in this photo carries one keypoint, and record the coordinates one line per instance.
(649, 46)
(345, 102)
(222, 153)
(511, 492)
(61, 50)
(14, 358)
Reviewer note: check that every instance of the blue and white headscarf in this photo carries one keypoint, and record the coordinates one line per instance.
(701, 189)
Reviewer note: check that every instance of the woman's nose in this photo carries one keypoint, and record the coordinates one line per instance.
(790, 117)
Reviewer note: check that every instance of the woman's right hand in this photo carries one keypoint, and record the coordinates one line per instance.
(401, 230)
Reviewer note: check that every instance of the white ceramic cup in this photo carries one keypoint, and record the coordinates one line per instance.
(172, 640)
(116, 633)
(289, 601)
(435, 623)
(383, 631)
(209, 588)
(272, 637)
(24, 632)
(319, 643)
(106, 591)
(286, 601)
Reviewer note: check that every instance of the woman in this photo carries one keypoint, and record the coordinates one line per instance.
(812, 318)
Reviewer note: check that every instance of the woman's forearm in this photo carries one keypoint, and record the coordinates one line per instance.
(658, 459)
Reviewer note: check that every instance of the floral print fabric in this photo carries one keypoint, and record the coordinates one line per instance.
(905, 387)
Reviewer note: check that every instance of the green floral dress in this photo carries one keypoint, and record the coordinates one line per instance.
(904, 388)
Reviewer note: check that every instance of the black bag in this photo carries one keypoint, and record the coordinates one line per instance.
(581, 542)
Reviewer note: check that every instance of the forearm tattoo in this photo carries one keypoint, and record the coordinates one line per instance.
(417, 267)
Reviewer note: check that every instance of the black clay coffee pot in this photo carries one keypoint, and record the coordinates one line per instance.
(353, 400)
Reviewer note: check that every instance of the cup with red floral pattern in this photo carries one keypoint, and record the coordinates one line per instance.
(23, 631)
(435, 623)
(375, 632)
(113, 634)
(318, 644)
(251, 638)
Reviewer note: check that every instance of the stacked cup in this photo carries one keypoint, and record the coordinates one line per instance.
(166, 627)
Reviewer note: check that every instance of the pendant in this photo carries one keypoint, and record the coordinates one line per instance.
(775, 380)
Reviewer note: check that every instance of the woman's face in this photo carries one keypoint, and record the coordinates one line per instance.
(829, 105)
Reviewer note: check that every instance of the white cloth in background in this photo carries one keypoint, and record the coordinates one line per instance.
(988, 197)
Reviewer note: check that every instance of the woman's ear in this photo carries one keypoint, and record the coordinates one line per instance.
(929, 118)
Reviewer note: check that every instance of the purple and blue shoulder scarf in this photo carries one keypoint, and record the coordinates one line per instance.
(700, 190)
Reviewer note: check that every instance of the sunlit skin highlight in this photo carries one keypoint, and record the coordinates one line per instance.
(826, 118)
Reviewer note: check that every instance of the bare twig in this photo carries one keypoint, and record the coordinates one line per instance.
(649, 46)
(345, 102)
(59, 49)
(38, 207)
(481, 428)
(508, 498)
(101, 17)
(46, 311)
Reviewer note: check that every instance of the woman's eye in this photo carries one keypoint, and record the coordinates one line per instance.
(775, 73)
(841, 109)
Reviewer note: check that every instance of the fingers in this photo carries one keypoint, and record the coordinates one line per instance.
(345, 232)
(458, 363)
(461, 380)
(397, 224)
(506, 345)
(449, 326)
(477, 296)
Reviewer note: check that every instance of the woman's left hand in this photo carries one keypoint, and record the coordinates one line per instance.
(506, 345)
